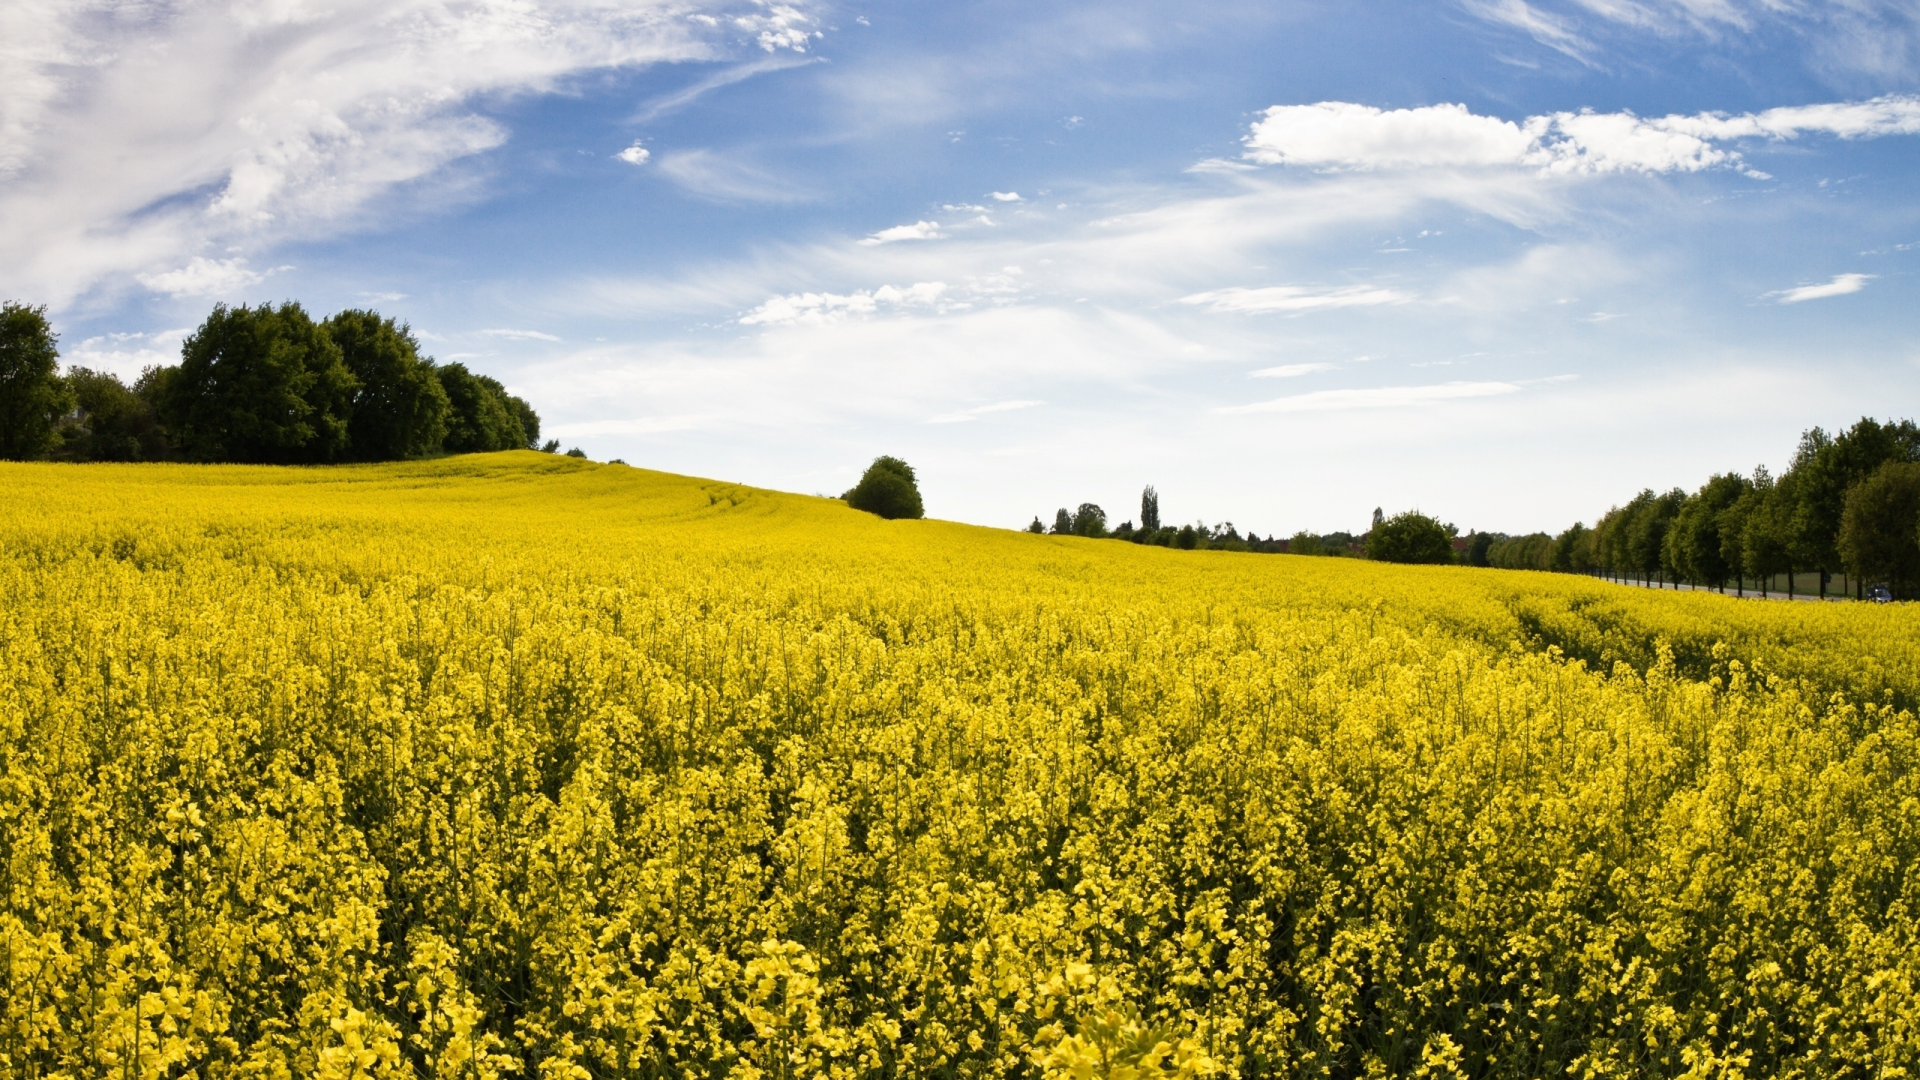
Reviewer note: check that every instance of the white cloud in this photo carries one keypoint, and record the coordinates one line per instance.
(208, 277)
(127, 355)
(975, 413)
(1295, 298)
(1384, 397)
(820, 309)
(1342, 135)
(1548, 29)
(520, 335)
(1290, 371)
(919, 230)
(1006, 196)
(132, 137)
(635, 154)
(1841, 285)
(726, 177)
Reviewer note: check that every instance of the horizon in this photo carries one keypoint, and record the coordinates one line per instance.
(1507, 263)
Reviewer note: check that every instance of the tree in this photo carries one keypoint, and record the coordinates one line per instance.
(399, 409)
(1089, 520)
(1149, 509)
(1693, 540)
(31, 395)
(1646, 530)
(1477, 551)
(1824, 468)
(1573, 550)
(1305, 543)
(1410, 537)
(260, 384)
(888, 488)
(1036, 527)
(1062, 523)
(479, 420)
(109, 422)
(1880, 528)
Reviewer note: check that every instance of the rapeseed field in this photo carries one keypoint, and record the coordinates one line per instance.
(519, 766)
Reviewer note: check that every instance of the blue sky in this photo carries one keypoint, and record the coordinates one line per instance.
(1504, 261)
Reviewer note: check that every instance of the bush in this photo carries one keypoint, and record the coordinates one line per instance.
(1410, 537)
(888, 489)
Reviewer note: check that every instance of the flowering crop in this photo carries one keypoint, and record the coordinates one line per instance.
(509, 765)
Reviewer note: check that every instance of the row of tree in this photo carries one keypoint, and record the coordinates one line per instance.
(1847, 503)
(255, 384)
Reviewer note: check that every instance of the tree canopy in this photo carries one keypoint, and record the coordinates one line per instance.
(31, 394)
(1410, 537)
(888, 488)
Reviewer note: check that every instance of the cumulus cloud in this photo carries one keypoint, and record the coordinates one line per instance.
(133, 136)
(1341, 135)
(919, 230)
(820, 309)
(1293, 299)
(204, 277)
(1005, 196)
(1382, 397)
(1841, 285)
(635, 154)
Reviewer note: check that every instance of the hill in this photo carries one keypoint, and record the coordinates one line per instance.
(515, 765)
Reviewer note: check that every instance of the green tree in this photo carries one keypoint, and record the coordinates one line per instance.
(259, 384)
(1305, 543)
(1036, 527)
(1149, 509)
(109, 422)
(888, 488)
(479, 420)
(1410, 537)
(1089, 520)
(1062, 523)
(1693, 542)
(400, 409)
(1478, 549)
(1573, 550)
(1824, 468)
(1880, 528)
(32, 397)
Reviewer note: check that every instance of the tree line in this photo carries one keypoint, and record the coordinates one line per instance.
(261, 385)
(1847, 503)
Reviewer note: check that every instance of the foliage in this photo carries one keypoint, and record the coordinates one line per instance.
(888, 489)
(1880, 528)
(108, 421)
(1149, 509)
(259, 384)
(1410, 537)
(519, 766)
(31, 396)
(1089, 520)
(399, 408)
(479, 419)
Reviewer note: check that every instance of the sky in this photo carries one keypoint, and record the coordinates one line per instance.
(1504, 261)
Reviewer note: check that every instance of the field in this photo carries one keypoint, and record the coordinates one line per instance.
(519, 766)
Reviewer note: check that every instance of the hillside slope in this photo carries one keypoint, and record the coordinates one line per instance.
(519, 765)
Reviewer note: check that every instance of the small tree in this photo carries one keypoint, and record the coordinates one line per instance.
(888, 489)
(1880, 527)
(1149, 509)
(1062, 522)
(32, 397)
(1410, 537)
(1036, 527)
(1089, 520)
(109, 422)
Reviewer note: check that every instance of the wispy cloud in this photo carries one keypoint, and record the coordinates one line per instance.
(520, 335)
(1295, 299)
(267, 122)
(727, 76)
(1841, 285)
(1290, 371)
(1383, 397)
(963, 415)
(1553, 31)
(727, 176)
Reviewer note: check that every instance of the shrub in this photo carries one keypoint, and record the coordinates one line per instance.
(1410, 537)
(888, 489)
